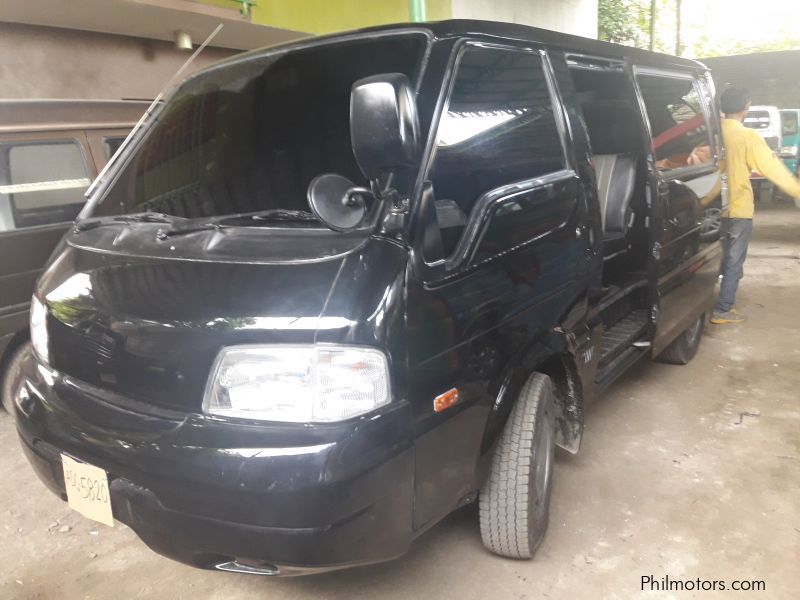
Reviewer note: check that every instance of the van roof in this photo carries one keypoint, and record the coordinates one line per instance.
(498, 31)
(53, 115)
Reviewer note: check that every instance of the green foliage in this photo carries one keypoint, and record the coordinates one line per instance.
(628, 22)
(706, 48)
(623, 22)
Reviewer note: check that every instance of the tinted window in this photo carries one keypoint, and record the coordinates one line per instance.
(251, 135)
(677, 121)
(41, 183)
(112, 144)
(523, 217)
(498, 128)
(789, 123)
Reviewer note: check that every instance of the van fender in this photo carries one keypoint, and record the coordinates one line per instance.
(553, 356)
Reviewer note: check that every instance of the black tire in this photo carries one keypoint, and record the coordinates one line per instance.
(11, 376)
(683, 349)
(711, 224)
(515, 502)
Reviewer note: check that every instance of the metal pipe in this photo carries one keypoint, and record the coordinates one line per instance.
(678, 48)
(416, 10)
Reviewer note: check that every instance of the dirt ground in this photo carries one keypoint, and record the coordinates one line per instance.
(687, 472)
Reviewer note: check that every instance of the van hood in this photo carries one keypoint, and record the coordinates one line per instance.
(147, 329)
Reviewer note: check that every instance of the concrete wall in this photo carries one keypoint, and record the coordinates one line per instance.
(45, 62)
(578, 17)
(49, 62)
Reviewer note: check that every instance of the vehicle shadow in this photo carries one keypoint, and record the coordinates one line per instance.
(458, 533)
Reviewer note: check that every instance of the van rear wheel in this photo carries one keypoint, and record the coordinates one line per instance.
(683, 349)
(11, 375)
(515, 502)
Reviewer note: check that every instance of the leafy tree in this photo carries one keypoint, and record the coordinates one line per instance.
(628, 22)
(623, 22)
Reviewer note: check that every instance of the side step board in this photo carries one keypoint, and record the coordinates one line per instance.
(621, 335)
(609, 374)
(621, 346)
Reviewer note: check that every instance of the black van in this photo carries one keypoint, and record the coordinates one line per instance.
(339, 288)
(49, 152)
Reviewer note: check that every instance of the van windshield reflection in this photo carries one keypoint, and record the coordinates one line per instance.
(247, 137)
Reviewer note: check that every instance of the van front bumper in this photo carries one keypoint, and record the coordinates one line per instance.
(262, 498)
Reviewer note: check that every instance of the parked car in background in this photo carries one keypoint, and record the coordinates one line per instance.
(766, 120)
(790, 138)
(335, 290)
(50, 150)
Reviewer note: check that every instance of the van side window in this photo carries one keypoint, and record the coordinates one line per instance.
(498, 128)
(41, 183)
(112, 144)
(677, 121)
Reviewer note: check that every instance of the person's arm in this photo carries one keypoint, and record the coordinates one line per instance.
(760, 158)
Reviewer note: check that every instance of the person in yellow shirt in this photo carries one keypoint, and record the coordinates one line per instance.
(745, 151)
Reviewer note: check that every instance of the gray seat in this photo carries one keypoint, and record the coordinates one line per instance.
(614, 131)
(616, 176)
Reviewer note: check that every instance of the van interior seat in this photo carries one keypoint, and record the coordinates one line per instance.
(615, 137)
(616, 176)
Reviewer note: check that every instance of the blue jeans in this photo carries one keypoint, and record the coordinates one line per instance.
(735, 237)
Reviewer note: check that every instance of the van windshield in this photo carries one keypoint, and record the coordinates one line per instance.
(249, 136)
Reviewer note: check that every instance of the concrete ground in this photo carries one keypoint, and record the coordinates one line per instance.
(691, 472)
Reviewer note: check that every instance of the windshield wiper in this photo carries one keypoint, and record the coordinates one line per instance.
(217, 223)
(271, 215)
(164, 234)
(123, 219)
(279, 214)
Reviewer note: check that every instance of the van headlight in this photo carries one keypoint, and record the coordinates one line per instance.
(39, 339)
(299, 384)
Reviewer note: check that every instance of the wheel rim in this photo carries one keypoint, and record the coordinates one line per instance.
(712, 220)
(543, 467)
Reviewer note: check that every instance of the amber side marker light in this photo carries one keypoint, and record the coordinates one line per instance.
(446, 400)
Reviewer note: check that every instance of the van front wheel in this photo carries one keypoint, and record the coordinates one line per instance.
(515, 502)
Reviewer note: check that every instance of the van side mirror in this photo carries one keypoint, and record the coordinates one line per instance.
(384, 126)
(337, 202)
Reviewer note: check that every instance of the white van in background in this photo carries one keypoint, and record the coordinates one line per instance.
(766, 120)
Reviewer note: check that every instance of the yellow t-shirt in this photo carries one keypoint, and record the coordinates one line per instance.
(746, 151)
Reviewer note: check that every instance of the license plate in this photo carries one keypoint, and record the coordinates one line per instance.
(87, 490)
